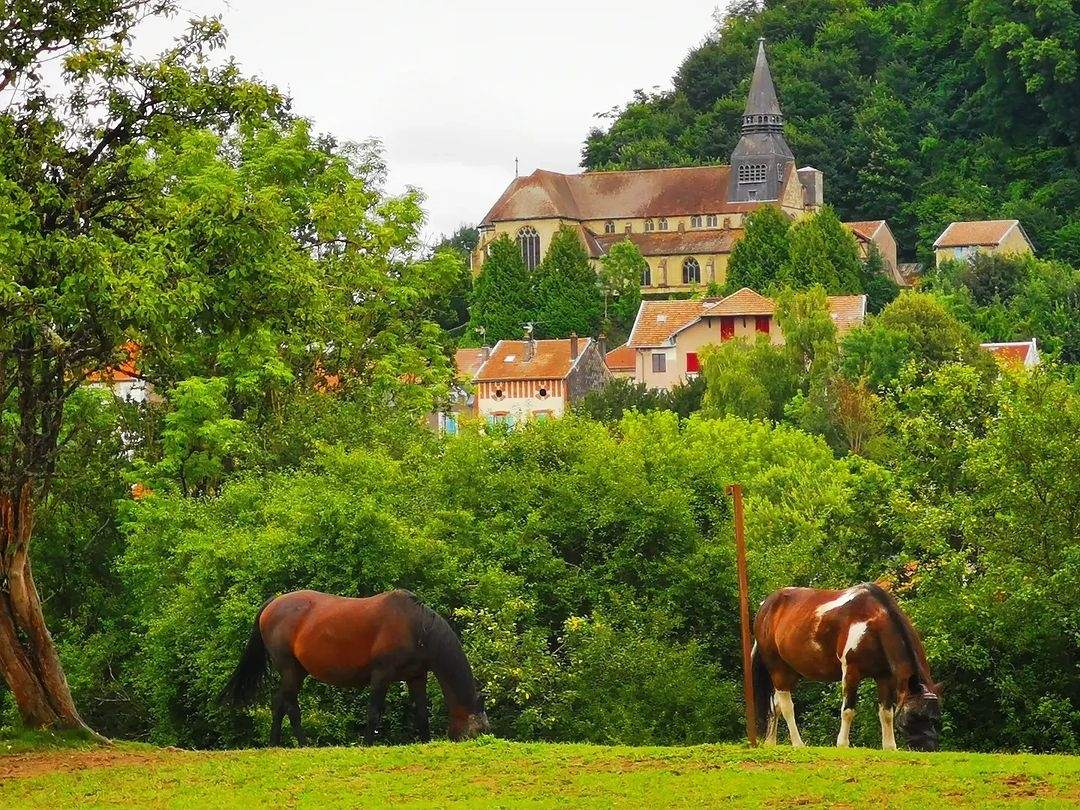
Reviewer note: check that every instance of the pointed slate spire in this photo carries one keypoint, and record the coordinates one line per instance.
(762, 112)
(762, 159)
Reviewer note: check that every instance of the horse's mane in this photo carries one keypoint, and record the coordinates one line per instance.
(903, 626)
(435, 633)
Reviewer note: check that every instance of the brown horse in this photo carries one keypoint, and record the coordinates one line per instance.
(347, 642)
(844, 636)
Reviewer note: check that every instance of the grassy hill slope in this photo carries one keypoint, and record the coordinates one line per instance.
(496, 773)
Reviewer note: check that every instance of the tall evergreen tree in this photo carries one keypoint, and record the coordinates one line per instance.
(568, 290)
(502, 298)
(823, 252)
(757, 258)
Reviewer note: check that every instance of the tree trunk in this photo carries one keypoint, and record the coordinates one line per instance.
(28, 655)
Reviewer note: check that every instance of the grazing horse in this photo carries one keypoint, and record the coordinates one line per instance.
(348, 642)
(844, 636)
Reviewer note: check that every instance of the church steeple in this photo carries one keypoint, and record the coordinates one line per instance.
(762, 158)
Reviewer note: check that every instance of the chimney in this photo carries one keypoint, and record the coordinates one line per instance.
(573, 346)
(530, 349)
(485, 353)
(601, 344)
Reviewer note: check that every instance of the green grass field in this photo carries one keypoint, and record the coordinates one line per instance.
(490, 773)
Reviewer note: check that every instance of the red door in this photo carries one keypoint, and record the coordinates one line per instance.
(727, 327)
(692, 365)
(762, 323)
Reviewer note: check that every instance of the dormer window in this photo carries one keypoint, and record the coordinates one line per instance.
(609, 227)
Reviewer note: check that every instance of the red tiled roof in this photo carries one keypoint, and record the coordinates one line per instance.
(988, 232)
(742, 302)
(675, 243)
(552, 361)
(617, 195)
(1014, 353)
(659, 321)
(623, 358)
(126, 371)
(468, 361)
(865, 229)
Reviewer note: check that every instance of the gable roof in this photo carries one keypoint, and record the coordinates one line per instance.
(552, 360)
(617, 195)
(1014, 353)
(865, 229)
(988, 233)
(658, 322)
(673, 243)
(622, 358)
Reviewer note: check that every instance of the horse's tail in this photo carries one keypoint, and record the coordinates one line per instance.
(244, 683)
(763, 689)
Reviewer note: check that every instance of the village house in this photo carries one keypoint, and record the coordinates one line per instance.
(621, 361)
(537, 379)
(963, 240)
(877, 233)
(668, 335)
(684, 221)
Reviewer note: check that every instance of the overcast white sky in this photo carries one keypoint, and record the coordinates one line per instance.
(457, 90)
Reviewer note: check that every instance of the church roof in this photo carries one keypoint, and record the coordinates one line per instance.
(762, 100)
(671, 243)
(617, 195)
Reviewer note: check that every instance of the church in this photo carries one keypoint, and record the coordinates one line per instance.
(684, 221)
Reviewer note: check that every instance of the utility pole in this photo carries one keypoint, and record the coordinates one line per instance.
(744, 613)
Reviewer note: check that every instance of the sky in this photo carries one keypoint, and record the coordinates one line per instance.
(457, 90)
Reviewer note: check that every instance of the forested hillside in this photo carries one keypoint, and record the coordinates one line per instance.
(919, 112)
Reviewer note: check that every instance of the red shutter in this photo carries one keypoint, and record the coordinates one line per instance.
(762, 323)
(727, 327)
(692, 365)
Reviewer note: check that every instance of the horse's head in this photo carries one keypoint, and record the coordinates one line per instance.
(468, 722)
(919, 717)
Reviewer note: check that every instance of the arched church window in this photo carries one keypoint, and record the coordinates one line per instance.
(529, 242)
(695, 221)
(648, 225)
(711, 220)
(646, 276)
(691, 271)
(663, 224)
(609, 226)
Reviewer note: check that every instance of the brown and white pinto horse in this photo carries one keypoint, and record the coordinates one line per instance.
(844, 636)
(348, 642)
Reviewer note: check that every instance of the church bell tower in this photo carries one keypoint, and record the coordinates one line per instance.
(762, 159)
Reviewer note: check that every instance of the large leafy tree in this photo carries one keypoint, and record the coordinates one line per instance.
(757, 258)
(502, 297)
(568, 290)
(621, 271)
(172, 205)
(823, 252)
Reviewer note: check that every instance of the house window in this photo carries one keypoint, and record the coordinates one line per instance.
(646, 276)
(659, 363)
(663, 224)
(648, 225)
(691, 271)
(609, 227)
(711, 220)
(727, 327)
(529, 242)
(761, 324)
(692, 365)
(695, 221)
(753, 172)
